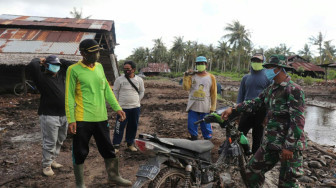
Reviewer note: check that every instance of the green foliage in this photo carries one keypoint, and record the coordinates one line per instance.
(172, 74)
(308, 80)
(331, 74)
(235, 76)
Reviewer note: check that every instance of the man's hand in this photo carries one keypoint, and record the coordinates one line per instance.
(286, 155)
(42, 60)
(189, 72)
(72, 128)
(225, 115)
(122, 115)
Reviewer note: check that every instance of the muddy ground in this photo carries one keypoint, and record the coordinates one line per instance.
(163, 113)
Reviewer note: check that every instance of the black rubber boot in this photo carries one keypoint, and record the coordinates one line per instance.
(79, 175)
(112, 168)
(192, 137)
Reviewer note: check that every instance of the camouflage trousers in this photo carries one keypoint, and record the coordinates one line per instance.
(265, 159)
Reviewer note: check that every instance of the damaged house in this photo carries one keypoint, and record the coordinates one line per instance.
(23, 38)
(304, 68)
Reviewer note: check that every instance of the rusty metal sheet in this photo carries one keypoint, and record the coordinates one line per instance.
(53, 36)
(8, 33)
(56, 22)
(30, 34)
(54, 42)
(19, 34)
(306, 66)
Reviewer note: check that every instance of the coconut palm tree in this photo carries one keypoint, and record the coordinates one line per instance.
(211, 56)
(78, 14)
(318, 40)
(329, 52)
(223, 50)
(178, 51)
(190, 53)
(140, 57)
(306, 53)
(238, 37)
(159, 51)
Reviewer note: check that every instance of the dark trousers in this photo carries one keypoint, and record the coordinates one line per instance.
(255, 121)
(131, 124)
(84, 132)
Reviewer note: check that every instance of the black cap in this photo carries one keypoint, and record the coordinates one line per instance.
(52, 59)
(89, 46)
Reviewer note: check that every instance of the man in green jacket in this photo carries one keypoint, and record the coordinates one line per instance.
(86, 91)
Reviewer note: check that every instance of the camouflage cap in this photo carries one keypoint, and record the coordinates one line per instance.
(277, 60)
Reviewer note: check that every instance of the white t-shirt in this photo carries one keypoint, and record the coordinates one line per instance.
(125, 93)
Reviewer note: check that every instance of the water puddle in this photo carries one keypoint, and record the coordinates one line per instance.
(320, 122)
(321, 125)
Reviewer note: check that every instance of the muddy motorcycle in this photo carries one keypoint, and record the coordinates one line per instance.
(185, 163)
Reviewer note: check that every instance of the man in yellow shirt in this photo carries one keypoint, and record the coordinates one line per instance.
(202, 97)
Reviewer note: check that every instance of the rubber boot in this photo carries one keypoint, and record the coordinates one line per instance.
(112, 168)
(79, 175)
(192, 137)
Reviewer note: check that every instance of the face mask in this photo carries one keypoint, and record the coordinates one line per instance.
(200, 68)
(256, 66)
(54, 68)
(270, 74)
(91, 57)
(127, 73)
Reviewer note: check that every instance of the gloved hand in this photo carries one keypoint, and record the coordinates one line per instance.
(286, 155)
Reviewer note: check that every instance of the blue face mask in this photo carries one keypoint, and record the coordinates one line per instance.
(54, 68)
(270, 74)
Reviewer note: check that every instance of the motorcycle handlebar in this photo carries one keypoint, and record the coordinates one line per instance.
(198, 122)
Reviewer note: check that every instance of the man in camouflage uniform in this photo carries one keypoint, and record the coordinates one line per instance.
(284, 139)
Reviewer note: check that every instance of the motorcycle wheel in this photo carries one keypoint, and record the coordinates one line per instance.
(169, 177)
(242, 161)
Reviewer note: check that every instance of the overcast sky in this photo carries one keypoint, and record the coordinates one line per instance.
(138, 22)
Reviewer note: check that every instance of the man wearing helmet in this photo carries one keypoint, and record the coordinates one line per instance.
(251, 86)
(202, 97)
(87, 91)
(51, 85)
(284, 139)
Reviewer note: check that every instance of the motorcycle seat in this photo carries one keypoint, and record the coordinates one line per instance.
(199, 146)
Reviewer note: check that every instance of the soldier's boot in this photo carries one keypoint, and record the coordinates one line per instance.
(79, 175)
(112, 168)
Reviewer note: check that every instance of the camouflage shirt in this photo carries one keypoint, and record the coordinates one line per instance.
(285, 112)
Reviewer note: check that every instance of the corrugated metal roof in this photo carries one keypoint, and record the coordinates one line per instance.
(41, 41)
(306, 66)
(14, 59)
(89, 24)
(156, 67)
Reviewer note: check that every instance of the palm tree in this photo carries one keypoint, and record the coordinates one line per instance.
(305, 52)
(223, 51)
(178, 50)
(140, 57)
(211, 55)
(238, 36)
(189, 53)
(159, 51)
(78, 14)
(329, 52)
(318, 40)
